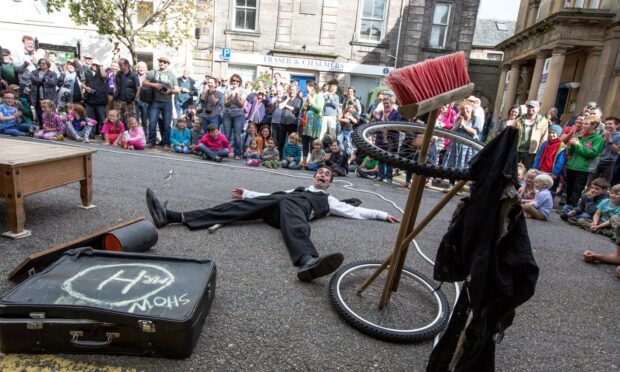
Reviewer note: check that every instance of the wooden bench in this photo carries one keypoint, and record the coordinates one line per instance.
(30, 167)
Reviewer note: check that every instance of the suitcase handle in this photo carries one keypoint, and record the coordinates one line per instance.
(84, 344)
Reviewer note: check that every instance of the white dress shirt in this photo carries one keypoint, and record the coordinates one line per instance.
(336, 207)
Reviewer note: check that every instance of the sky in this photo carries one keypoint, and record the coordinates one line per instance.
(506, 10)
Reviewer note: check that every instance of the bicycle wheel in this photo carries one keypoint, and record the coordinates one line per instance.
(396, 147)
(416, 312)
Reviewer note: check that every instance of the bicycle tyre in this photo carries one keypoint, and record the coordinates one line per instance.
(343, 303)
(428, 170)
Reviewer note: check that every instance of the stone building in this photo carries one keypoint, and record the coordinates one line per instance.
(356, 42)
(564, 53)
(485, 60)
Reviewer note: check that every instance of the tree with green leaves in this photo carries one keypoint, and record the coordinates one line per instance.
(136, 23)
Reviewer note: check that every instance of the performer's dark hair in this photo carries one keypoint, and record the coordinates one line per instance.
(331, 170)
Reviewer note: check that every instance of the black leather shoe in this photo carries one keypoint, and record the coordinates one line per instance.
(157, 211)
(320, 266)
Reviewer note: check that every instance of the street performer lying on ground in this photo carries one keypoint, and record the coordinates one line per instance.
(290, 211)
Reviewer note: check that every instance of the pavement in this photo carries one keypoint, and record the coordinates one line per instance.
(263, 318)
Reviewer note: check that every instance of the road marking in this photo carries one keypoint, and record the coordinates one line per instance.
(48, 363)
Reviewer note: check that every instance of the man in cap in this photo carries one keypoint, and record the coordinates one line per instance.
(533, 130)
(165, 84)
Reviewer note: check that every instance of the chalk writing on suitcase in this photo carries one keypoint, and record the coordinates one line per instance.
(134, 286)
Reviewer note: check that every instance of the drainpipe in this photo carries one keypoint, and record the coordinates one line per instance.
(213, 42)
(400, 26)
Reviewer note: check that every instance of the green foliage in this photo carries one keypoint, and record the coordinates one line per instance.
(136, 23)
(266, 78)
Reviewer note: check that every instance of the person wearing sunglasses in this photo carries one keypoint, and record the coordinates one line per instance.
(234, 99)
(165, 84)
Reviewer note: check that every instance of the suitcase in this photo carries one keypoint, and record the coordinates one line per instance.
(93, 301)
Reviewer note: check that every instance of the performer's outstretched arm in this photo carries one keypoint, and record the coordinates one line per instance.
(338, 208)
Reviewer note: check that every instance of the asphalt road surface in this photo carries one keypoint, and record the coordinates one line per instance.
(263, 318)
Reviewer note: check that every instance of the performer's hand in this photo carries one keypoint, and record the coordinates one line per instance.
(237, 193)
(392, 219)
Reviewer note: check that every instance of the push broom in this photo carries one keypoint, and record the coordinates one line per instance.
(421, 88)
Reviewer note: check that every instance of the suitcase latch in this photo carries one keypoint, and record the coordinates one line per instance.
(147, 326)
(34, 325)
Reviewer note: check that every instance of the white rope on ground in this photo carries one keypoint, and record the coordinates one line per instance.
(347, 185)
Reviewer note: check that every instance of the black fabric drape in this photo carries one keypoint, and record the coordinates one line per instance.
(488, 247)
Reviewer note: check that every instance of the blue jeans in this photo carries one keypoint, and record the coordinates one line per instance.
(212, 154)
(183, 150)
(165, 108)
(12, 131)
(291, 165)
(233, 126)
(206, 120)
(312, 166)
(569, 208)
(346, 135)
(142, 113)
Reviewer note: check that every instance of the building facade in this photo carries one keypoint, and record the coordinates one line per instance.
(356, 42)
(564, 53)
(485, 60)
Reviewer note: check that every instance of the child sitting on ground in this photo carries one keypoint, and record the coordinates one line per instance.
(180, 137)
(291, 154)
(271, 155)
(316, 156)
(337, 159)
(542, 204)
(607, 208)
(587, 203)
(51, 123)
(252, 154)
(78, 127)
(133, 138)
(369, 168)
(214, 145)
(196, 134)
(112, 129)
(527, 192)
(521, 174)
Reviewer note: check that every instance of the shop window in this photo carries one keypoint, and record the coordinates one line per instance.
(245, 13)
(146, 57)
(247, 73)
(440, 25)
(372, 20)
(144, 10)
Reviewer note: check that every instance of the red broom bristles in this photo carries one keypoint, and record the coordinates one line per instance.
(428, 79)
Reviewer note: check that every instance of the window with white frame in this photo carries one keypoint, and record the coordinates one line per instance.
(440, 25)
(372, 20)
(144, 10)
(245, 13)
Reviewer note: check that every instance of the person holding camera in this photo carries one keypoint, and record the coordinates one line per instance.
(44, 83)
(211, 103)
(96, 93)
(70, 89)
(165, 84)
(187, 92)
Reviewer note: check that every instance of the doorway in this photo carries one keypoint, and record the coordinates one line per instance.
(302, 80)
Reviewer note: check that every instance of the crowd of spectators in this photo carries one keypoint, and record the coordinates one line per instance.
(270, 122)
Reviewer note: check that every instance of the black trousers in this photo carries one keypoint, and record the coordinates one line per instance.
(575, 183)
(527, 159)
(284, 211)
(283, 133)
